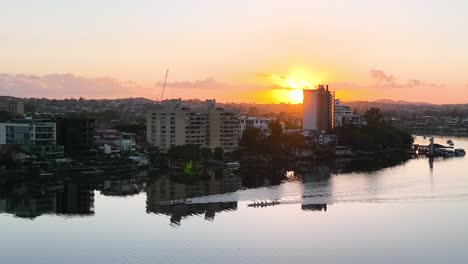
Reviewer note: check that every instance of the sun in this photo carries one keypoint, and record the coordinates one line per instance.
(291, 96)
(288, 88)
(295, 96)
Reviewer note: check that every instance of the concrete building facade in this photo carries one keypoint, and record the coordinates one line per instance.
(173, 124)
(318, 109)
(262, 123)
(344, 115)
(36, 137)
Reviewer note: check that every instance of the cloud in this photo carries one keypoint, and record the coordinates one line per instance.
(382, 76)
(208, 83)
(389, 81)
(283, 82)
(66, 85)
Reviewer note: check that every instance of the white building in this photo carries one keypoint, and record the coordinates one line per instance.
(325, 139)
(114, 142)
(318, 109)
(344, 115)
(173, 124)
(36, 137)
(262, 123)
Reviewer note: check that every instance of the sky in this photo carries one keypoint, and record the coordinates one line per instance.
(260, 51)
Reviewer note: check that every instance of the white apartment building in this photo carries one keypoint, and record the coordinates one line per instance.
(344, 115)
(36, 137)
(262, 123)
(173, 124)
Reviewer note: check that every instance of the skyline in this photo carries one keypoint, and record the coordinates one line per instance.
(235, 51)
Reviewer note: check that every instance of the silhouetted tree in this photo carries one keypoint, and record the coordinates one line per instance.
(373, 116)
(218, 153)
(252, 140)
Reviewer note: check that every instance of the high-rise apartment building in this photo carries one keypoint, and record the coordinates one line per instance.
(318, 112)
(173, 124)
(11, 105)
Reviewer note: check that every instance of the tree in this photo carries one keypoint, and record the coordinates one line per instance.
(252, 140)
(206, 153)
(376, 135)
(373, 116)
(184, 152)
(5, 116)
(276, 129)
(275, 139)
(218, 153)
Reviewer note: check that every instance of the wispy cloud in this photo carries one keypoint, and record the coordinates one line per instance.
(284, 82)
(66, 85)
(381, 76)
(385, 80)
(208, 83)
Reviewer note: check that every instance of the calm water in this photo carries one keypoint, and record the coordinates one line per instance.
(409, 213)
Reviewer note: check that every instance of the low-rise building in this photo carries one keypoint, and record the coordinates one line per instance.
(344, 115)
(262, 123)
(424, 124)
(114, 142)
(324, 139)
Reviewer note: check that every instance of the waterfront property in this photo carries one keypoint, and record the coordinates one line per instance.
(114, 143)
(344, 116)
(35, 137)
(262, 123)
(318, 113)
(173, 124)
(349, 211)
(76, 135)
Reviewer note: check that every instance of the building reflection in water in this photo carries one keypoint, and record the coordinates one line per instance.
(31, 196)
(30, 200)
(122, 187)
(164, 189)
(314, 207)
(316, 188)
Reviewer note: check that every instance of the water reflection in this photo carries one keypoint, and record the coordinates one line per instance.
(165, 189)
(31, 199)
(217, 190)
(314, 207)
(393, 210)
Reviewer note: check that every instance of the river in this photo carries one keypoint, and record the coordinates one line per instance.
(413, 212)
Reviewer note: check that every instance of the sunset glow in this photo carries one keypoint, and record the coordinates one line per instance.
(130, 48)
(288, 88)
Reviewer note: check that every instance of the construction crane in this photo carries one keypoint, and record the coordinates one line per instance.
(164, 86)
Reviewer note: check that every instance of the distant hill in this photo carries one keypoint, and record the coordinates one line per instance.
(140, 105)
(388, 101)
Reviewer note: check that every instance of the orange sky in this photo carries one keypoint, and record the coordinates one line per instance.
(409, 50)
